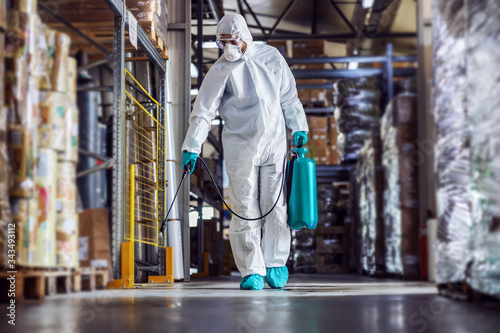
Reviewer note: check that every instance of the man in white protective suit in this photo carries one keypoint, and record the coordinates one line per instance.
(254, 91)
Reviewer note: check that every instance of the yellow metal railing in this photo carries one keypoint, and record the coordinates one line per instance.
(144, 156)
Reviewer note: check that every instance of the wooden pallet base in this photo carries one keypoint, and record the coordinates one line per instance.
(36, 283)
(90, 279)
(455, 290)
(463, 292)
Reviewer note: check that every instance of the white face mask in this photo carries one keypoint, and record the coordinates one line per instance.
(232, 52)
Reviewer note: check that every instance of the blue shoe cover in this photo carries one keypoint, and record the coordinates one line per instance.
(253, 282)
(277, 277)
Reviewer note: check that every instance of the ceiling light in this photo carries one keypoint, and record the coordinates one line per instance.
(353, 65)
(368, 3)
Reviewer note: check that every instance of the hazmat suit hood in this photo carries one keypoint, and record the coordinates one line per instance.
(235, 24)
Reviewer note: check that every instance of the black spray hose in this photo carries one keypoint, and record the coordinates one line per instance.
(186, 172)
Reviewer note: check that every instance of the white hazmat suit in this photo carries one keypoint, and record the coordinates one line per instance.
(257, 98)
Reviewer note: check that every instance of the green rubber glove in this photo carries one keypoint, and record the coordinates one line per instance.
(297, 136)
(189, 158)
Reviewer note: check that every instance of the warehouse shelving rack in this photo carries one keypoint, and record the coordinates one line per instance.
(121, 23)
(387, 73)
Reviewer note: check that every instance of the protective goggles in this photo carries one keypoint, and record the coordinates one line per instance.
(234, 40)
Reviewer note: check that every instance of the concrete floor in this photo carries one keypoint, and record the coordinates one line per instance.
(309, 303)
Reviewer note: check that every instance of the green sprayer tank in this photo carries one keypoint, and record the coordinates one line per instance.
(303, 202)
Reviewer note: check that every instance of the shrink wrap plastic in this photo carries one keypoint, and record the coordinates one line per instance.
(59, 70)
(358, 102)
(483, 95)
(452, 152)
(365, 176)
(392, 210)
(154, 11)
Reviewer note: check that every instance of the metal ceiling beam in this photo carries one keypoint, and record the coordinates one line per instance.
(350, 73)
(254, 17)
(344, 36)
(282, 16)
(307, 86)
(311, 111)
(337, 8)
(215, 12)
(358, 59)
(314, 15)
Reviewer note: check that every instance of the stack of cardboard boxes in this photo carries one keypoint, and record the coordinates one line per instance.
(400, 206)
(310, 49)
(40, 113)
(4, 164)
(322, 142)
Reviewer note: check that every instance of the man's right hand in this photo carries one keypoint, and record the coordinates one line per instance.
(189, 159)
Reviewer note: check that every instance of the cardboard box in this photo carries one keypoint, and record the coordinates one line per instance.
(334, 155)
(318, 124)
(46, 185)
(25, 6)
(280, 45)
(59, 74)
(66, 188)
(53, 109)
(311, 48)
(24, 215)
(67, 240)
(23, 158)
(94, 248)
(333, 132)
(321, 154)
(2, 14)
(316, 135)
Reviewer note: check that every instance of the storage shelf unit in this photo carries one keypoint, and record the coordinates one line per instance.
(387, 73)
(116, 55)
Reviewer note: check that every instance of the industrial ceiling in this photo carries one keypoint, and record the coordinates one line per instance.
(362, 26)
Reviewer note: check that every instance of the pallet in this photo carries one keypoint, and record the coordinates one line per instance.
(463, 292)
(38, 282)
(455, 290)
(90, 279)
(28, 284)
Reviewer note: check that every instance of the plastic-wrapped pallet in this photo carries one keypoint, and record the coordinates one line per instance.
(392, 211)
(358, 102)
(368, 214)
(400, 199)
(452, 152)
(304, 251)
(152, 15)
(483, 58)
